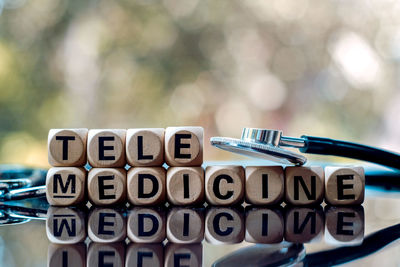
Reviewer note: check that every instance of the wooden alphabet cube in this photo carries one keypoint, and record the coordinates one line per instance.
(106, 148)
(141, 255)
(304, 224)
(65, 225)
(224, 185)
(184, 146)
(264, 226)
(224, 225)
(304, 185)
(146, 225)
(344, 185)
(66, 255)
(344, 225)
(145, 147)
(110, 254)
(183, 255)
(146, 186)
(264, 185)
(65, 186)
(67, 147)
(185, 185)
(185, 225)
(106, 225)
(107, 186)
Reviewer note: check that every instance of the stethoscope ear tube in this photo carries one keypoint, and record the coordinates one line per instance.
(332, 147)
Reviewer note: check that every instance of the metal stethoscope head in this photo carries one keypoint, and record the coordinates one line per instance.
(268, 144)
(263, 143)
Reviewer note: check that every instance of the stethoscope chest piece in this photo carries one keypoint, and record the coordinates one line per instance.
(263, 143)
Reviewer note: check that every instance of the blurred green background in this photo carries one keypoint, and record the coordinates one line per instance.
(326, 68)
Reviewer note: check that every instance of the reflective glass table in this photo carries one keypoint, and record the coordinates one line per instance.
(34, 234)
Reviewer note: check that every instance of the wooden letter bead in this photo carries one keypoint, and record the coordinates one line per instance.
(107, 186)
(65, 186)
(344, 185)
(145, 147)
(185, 185)
(67, 147)
(185, 225)
(146, 186)
(146, 225)
(304, 185)
(106, 225)
(224, 226)
(184, 146)
(224, 185)
(183, 255)
(344, 225)
(65, 225)
(141, 255)
(106, 148)
(264, 226)
(66, 255)
(111, 254)
(264, 185)
(304, 224)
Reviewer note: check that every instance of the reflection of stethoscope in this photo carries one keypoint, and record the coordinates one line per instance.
(267, 144)
(289, 254)
(282, 254)
(12, 215)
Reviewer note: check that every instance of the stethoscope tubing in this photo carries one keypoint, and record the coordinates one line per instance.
(332, 147)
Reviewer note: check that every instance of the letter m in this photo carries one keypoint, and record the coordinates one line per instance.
(71, 182)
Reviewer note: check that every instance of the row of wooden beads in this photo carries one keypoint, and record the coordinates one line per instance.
(119, 254)
(218, 225)
(113, 148)
(219, 185)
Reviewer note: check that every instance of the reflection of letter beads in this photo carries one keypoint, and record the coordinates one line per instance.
(120, 254)
(185, 182)
(73, 254)
(106, 225)
(145, 255)
(218, 225)
(185, 225)
(146, 225)
(110, 254)
(344, 225)
(65, 225)
(304, 225)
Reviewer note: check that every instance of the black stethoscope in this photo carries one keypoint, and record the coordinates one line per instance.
(267, 144)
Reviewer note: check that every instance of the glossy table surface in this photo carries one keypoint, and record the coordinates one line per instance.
(366, 237)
